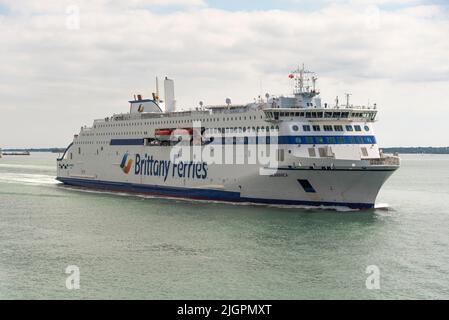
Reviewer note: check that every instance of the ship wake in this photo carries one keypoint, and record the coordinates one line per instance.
(27, 178)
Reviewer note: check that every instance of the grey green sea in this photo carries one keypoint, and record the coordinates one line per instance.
(136, 247)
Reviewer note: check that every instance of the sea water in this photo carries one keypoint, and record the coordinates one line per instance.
(139, 247)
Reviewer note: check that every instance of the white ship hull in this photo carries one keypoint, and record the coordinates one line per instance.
(343, 185)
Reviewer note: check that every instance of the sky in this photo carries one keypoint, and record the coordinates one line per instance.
(65, 63)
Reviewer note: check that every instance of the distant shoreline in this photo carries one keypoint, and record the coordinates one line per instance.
(55, 150)
(417, 150)
(400, 150)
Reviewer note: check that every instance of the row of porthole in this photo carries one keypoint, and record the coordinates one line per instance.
(250, 117)
(340, 129)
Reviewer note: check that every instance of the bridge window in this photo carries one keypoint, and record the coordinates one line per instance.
(316, 128)
(319, 140)
(309, 140)
(349, 128)
(327, 128)
(357, 128)
(338, 128)
(369, 139)
(336, 115)
(306, 127)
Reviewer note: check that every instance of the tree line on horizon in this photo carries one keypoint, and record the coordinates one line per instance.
(417, 150)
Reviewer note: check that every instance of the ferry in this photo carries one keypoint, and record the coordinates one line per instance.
(288, 150)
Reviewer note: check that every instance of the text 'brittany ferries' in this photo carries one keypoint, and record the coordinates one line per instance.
(148, 166)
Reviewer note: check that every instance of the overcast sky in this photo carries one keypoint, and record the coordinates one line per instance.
(57, 74)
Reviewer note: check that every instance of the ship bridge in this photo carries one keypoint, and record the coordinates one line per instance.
(321, 114)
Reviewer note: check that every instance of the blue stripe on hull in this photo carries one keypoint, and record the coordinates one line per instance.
(194, 193)
(339, 139)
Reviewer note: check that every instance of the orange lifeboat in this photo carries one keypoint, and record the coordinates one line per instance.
(163, 132)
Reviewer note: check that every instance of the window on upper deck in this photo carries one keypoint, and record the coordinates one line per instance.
(316, 128)
(357, 128)
(327, 128)
(338, 128)
(349, 128)
(306, 127)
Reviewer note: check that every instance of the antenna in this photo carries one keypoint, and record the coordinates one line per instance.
(302, 80)
(228, 101)
(336, 101)
(201, 104)
(157, 89)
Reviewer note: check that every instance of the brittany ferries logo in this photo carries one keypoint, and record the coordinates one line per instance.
(126, 163)
(148, 166)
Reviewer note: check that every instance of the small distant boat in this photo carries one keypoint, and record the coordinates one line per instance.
(17, 153)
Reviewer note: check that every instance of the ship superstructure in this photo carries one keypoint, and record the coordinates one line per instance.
(289, 150)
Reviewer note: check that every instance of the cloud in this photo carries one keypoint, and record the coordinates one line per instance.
(48, 6)
(74, 75)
